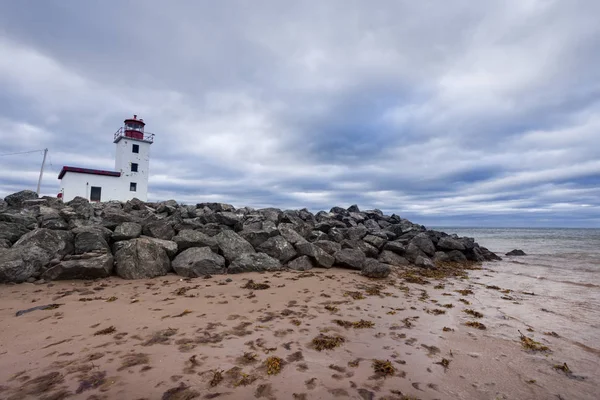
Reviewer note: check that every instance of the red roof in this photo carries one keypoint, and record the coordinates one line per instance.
(66, 169)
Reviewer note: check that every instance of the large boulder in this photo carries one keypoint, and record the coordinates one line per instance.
(375, 241)
(11, 231)
(91, 266)
(24, 218)
(113, 216)
(253, 262)
(391, 258)
(198, 261)
(81, 208)
(55, 244)
(319, 256)
(255, 237)
(188, 238)
(89, 241)
(448, 243)
(127, 231)
(412, 252)
(291, 235)
(168, 246)
(51, 219)
(453, 256)
(141, 258)
(350, 258)
(395, 246)
(375, 269)
(424, 243)
(160, 229)
(278, 248)
(17, 200)
(302, 263)
(17, 265)
(329, 246)
(233, 245)
(365, 247)
(424, 262)
(516, 252)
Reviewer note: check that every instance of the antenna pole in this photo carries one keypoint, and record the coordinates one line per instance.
(42, 171)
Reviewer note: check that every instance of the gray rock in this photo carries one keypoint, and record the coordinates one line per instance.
(187, 238)
(11, 231)
(24, 218)
(127, 231)
(366, 248)
(375, 269)
(291, 235)
(375, 241)
(391, 258)
(425, 262)
(413, 252)
(86, 242)
(372, 225)
(168, 246)
(350, 258)
(17, 200)
(395, 246)
(516, 252)
(453, 256)
(424, 243)
(321, 258)
(329, 246)
(302, 263)
(233, 245)
(255, 237)
(447, 243)
(141, 258)
(97, 266)
(52, 243)
(81, 208)
(356, 233)
(278, 248)
(198, 261)
(4, 244)
(17, 265)
(253, 262)
(160, 229)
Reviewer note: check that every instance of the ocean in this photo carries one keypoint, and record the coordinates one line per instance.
(562, 269)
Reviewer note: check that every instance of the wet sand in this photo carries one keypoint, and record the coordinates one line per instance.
(169, 338)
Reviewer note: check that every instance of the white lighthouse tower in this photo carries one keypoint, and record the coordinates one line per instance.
(128, 180)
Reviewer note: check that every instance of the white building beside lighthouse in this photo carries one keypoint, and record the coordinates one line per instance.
(128, 180)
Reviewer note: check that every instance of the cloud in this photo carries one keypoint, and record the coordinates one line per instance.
(455, 113)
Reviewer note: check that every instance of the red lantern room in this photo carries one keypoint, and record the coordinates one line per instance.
(134, 128)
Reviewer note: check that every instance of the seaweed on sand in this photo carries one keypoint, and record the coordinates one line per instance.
(274, 365)
(331, 308)
(255, 286)
(181, 392)
(473, 313)
(383, 368)
(131, 360)
(444, 363)
(216, 378)
(530, 344)
(162, 337)
(325, 342)
(105, 331)
(475, 324)
(464, 292)
(436, 311)
(354, 295)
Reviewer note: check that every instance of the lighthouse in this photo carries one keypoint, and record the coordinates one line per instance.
(129, 179)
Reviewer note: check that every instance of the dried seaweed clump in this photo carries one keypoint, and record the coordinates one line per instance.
(181, 392)
(446, 329)
(436, 311)
(473, 313)
(475, 324)
(412, 278)
(444, 363)
(296, 322)
(530, 344)
(245, 380)
(354, 295)
(342, 323)
(106, 331)
(255, 286)
(465, 301)
(331, 308)
(464, 292)
(373, 291)
(216, 378)
(274, 365)
(363, 324)
(564, 368)
(384, 368)
(160, 337)
(325, 342)
(131, 360)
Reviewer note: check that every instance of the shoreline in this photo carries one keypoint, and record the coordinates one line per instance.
(171, 331)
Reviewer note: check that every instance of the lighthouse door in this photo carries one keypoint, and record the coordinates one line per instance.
(95, 193)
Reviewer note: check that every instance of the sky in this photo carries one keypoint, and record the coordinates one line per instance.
(448, 113)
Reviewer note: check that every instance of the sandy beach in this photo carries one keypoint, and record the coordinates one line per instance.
(173, 338)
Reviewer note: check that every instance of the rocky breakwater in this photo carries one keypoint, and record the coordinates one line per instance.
(46, 239)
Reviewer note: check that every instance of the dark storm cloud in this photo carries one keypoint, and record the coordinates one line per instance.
(455, 113)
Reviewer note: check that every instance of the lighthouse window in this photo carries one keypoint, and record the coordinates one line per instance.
(135, 148)
(133, 187)
(134, 167)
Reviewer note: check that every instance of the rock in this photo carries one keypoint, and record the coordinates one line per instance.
(291, 235)
(127, 231)
(321, 258)
(516, 252)
(447, 243)
(86, 242)
(391, 258)
(453, 256)
(11, 231)
(356, 233)
(160, 229)
(302, 263)
(350, 258)
(366, 248)
(141, 258)
(317, 235)
(97, 266)
(413, 252)
(353, 209)
(198, 261)
(17, 200)
(375, 269)
(253, 262)
(424, 262)
(424, 243)
(51, 219)
(81, 208)
(170, 247)
(233, 245)
(375, 241)
(26, 219)
(4, 244)
(188, 238)
(395, 246)
(278, 248)
(329, 246)
(255, 237)
(17, 265)
(53, 243)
